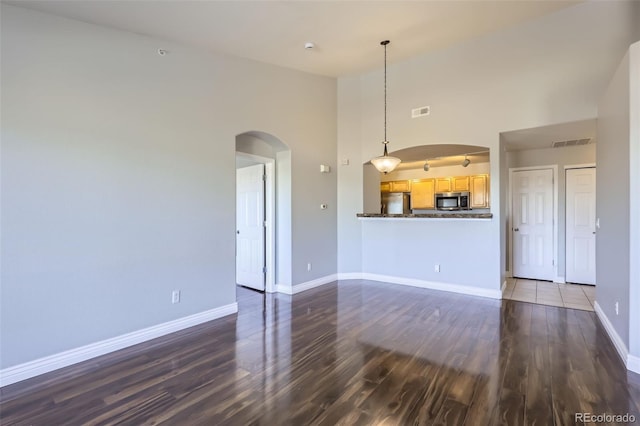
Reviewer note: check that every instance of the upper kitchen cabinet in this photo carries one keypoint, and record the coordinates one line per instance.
(460, 183)
(443, 184)
(422, 194)
(400, 186)
(479, 191)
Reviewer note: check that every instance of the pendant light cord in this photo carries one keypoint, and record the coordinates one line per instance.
(384, 43)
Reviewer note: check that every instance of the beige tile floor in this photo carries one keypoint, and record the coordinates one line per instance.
(574, 296)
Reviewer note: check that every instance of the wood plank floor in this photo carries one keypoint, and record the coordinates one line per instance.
(353, 353)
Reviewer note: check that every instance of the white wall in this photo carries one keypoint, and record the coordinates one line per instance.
(566, 156)
(612, 204)
(118, 179)
(546, 71)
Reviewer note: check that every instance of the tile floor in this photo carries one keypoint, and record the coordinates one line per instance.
(574, 296)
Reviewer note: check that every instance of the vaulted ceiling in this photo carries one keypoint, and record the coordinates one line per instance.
(346, 33)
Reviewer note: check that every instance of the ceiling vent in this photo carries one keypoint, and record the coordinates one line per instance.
(573, 142)
(420, 112)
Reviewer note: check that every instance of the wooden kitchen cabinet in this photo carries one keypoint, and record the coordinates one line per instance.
(479, 186)
(460, 183)
(400, 185)
(422, 194)
(443, 184)
(396, 186)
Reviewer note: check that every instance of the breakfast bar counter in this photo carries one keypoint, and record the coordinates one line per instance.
(441, 215)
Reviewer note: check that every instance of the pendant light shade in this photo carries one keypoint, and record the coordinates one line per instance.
(385, 163)
(466, 162)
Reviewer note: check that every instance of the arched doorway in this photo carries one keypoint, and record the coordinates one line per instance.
(263, 244)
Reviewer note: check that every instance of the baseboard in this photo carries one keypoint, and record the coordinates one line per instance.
(349, 275)
(433, 285)
(283, 288)
(559, 280)
(308, 285)
(53, 362)
(621, 348)
(633, 363)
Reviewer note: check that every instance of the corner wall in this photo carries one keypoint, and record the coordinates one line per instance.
(634, 226)
(612, 203)
(118, 179)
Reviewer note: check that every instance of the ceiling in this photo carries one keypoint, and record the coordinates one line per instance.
(346, 33)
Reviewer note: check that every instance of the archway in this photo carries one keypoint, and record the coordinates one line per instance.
(261, 148)
(425, 162)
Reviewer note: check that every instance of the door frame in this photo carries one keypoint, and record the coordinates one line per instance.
(572, 167)
(269, 217)
(554, 170)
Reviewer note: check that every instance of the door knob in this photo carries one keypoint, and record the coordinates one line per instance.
(594, 232)
(516, 229)
(238, 232)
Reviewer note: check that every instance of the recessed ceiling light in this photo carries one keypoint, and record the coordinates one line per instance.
(309, 45)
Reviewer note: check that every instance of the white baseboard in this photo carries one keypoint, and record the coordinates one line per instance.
(283, 288)
(632, 362)
(349, 275)
(49, 363)
(433, 285)
(298, 288)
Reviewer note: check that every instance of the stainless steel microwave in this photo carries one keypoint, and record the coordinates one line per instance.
(452, 200)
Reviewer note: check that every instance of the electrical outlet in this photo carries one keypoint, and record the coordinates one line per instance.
(175, 296)
(436, 268)
(617, 309)
(309, 267)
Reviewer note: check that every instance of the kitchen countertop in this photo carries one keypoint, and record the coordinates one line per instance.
(429, 215)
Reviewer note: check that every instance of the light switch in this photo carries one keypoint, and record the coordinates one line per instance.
(324, 168)
(345, 161)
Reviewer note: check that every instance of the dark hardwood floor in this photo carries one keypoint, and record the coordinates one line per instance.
(353, 353)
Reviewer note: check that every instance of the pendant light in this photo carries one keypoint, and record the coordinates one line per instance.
(466, 161)
(385, 163)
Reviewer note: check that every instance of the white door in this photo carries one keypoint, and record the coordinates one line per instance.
(581, 226)
(533, 224)
(250, 226)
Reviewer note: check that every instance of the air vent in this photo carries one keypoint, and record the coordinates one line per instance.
(572, 142)
(420, 112)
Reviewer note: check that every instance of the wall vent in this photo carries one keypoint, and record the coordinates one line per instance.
(420, 112)
(572, 142)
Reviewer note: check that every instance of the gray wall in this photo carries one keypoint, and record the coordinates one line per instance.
(350, 182)
(561, 157)
(118, 179)
(634, 183)
(612, 205)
